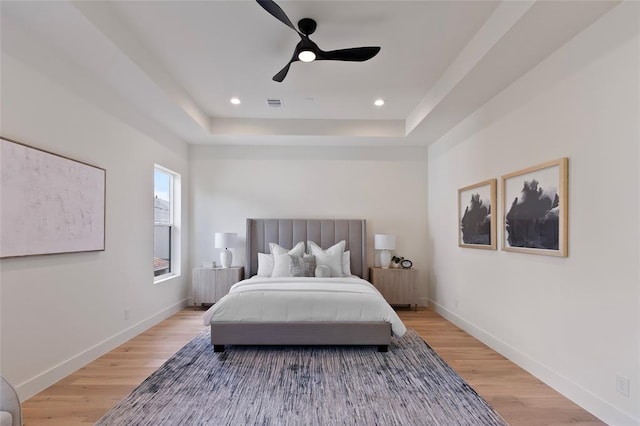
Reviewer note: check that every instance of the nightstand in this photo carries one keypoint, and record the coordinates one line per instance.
(398, 286)
(211, 284)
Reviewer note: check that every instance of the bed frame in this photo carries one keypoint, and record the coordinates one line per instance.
(287, 232)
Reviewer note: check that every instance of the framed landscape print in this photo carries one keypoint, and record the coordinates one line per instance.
(49, 203)
(535, 209)
(476, 218)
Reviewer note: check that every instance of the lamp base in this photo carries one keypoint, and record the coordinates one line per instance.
(385, 259)
(225, 258)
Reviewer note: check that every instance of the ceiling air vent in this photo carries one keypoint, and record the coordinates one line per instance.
(274, 103)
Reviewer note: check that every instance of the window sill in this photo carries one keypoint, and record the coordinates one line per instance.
(163, 278)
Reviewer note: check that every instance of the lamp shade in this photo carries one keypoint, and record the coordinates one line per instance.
(225, 239)
(384, 242)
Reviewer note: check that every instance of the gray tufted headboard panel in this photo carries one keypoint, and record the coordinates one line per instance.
(324, 232)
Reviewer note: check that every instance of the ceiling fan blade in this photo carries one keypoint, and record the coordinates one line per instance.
(283, 72)
(355, 54)
(275, 10)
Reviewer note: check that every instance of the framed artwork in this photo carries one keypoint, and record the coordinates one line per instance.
(49, 203)
(476, 218)
(535, 209)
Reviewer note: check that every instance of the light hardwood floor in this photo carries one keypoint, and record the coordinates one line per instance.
(84, 396)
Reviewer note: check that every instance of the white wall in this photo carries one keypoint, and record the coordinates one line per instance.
(385, 186)
(574, 322)
(59, 312)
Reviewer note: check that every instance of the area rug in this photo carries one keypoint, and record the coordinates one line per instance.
(289, 385)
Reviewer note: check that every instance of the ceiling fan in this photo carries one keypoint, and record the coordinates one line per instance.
(306, 50)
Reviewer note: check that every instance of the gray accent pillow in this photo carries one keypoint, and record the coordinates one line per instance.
(302, 266)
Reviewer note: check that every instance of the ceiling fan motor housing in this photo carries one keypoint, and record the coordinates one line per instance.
(307, 26)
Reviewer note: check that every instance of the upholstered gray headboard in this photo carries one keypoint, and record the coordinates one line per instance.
(324, 232)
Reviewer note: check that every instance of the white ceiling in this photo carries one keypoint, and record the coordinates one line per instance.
(179, 62)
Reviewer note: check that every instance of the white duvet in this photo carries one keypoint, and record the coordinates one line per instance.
(304, 299)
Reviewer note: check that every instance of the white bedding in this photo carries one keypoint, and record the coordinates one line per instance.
(304, 299)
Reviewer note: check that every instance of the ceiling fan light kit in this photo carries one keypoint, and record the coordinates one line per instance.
(307, 56)
(308, 51)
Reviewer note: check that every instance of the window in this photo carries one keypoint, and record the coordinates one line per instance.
(166, 223)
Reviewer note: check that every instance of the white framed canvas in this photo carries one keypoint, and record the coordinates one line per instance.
(49, 203)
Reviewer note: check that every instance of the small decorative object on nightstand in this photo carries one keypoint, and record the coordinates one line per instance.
(398, 286)
(211, 284)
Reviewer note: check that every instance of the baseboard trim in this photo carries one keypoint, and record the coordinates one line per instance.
(30, 387)
(571, 390)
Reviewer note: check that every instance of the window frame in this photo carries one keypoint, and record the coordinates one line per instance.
(173, 224)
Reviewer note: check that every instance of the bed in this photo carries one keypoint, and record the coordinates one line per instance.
(304, 311)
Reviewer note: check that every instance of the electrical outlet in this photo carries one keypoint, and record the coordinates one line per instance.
(622, 385)
(126, 315)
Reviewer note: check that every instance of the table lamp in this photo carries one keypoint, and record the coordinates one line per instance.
(225, 240)
(385, 242)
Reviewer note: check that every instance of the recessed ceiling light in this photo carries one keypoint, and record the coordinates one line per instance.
(379, 102)
(235, 101)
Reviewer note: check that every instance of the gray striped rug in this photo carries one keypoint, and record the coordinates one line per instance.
(409, 385)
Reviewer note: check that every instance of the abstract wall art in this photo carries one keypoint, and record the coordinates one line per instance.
(49, 203)
(535, 209)
(476, 218)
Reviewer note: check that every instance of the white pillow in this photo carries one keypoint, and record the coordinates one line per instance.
(297, 250)
(332, 257)
(281, 258)
(281, 264)
(336, 248)
(323, 271)
(346, 263)
(265, 265)
(333, 261)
